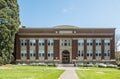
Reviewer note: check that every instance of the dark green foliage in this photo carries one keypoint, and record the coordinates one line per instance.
(9, 24)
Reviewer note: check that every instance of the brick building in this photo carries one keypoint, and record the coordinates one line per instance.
(65, 44)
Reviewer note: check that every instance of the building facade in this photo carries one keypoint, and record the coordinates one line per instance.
(65, 44)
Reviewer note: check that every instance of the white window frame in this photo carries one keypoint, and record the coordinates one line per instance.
(50, 42)
(24, 52)
(80, 53)
(32, 52)
(89, 52)
(107, 52)
(41, 53)
(50, 53)
(32, 42)
(23, 42)
(99, 53)
(41, 42)
(98, 42)
(107, 42)
(89, 42)
(65, 42)
(80, 42)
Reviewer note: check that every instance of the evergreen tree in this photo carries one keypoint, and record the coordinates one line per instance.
(9, 25)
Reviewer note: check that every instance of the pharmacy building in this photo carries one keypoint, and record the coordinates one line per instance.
(65, 44)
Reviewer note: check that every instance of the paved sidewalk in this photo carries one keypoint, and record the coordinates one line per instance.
(69, 73)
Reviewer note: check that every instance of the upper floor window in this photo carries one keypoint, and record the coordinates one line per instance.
(80, 53)
(41, 42)
(32, 42)
(98, 42)
(23, 42)
(107, 42)
(65, 42)
(50, 42)
(89, 42)
(80, 42)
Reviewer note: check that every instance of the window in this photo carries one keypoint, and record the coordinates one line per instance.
(80, 53)
(107, 42)
(98, 42)
(89, 42)
(32, 42)
(98, 52)
(32, 53)
(89, 53)
(80, 42)
(50, 42)
(23, 53)
(41, 53)
(65, 42)
(107, 53)
(41, 42)
(50, 53)
(23, 42)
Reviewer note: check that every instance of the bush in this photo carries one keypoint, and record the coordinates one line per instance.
(102, 65)
(118, 66)
(111, 66)
(50, 64)
(85, 65)
(41, 64)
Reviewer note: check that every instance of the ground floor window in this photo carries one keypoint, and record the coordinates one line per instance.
(32, 53)
(107, 53)
(41, 53)
(80, 53)
(23, 53)
(89, 53)
(98, 53)
(50, 53)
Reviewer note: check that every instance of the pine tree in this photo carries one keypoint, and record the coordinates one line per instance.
(9, 24)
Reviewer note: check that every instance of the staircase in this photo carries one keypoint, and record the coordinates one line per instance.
(64, 65)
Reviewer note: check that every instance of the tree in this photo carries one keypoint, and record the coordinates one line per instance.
(9, 25)
(117, 42)
(117, 45)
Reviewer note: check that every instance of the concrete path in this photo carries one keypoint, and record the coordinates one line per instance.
(69, 73)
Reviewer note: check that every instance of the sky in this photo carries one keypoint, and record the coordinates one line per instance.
(81, 13)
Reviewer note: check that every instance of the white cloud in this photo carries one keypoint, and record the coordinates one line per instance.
(67, 10)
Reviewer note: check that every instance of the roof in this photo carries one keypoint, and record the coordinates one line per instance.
(65, 26)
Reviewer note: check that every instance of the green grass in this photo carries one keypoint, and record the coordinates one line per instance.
(29, 72)
(99, 73)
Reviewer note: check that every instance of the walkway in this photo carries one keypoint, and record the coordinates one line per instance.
(69, 73)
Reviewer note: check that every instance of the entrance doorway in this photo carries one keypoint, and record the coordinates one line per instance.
(65, 57)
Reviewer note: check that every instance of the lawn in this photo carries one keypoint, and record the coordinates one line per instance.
(98, 73)
(29, 72)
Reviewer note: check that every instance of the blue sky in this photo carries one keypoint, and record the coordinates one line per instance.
(82, 13)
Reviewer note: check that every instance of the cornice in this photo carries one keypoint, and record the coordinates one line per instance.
(74, 34)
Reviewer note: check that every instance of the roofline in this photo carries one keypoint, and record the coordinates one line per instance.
(67, 28)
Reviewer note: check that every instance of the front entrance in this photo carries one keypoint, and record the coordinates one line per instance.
(65, 57)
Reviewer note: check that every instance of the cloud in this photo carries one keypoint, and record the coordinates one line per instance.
(67, 10)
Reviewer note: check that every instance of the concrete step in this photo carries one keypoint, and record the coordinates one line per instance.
(64, 65)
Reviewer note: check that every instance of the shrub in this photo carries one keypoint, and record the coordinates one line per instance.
(102, 65)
